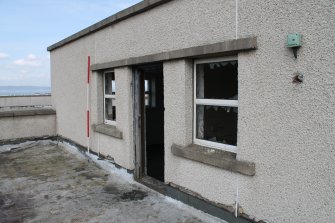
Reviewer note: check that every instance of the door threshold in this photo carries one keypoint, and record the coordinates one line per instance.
(154, 184)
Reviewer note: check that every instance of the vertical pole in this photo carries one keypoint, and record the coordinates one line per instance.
(88, 104)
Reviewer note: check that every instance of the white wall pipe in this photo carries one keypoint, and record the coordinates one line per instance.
(236, 19)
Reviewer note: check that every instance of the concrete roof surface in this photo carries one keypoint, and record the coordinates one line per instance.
(45, 182)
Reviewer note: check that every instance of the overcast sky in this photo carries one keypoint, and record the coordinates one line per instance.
(28, 27)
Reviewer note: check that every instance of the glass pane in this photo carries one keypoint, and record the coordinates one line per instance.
(110, 83)
(217, 80)
(146, 93)
(110, 112)
(217, 124)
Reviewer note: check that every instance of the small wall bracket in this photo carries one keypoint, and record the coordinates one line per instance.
(294, 42)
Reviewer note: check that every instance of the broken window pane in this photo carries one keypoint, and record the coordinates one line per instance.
(110, 111)
(110, 83)
(217, 124)
(217, 80)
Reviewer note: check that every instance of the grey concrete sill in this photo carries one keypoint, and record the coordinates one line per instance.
(27, 112)
(214, 157)
(109, 130)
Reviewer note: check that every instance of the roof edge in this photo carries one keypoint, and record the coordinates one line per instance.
(138, 8)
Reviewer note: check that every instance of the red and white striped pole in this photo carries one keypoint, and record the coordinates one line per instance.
(88, 104)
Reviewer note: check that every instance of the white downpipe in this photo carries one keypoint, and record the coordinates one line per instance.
(236, 37)
(98, 145)
(236, 20)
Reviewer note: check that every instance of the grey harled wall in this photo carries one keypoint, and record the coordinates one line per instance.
(68, 87)
(122, 150)
(26, 116)
(180, 21)
(288, 130)
(174, 25)
(27, 126)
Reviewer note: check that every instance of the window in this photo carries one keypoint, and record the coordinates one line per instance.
(109, 98)
(215, 103)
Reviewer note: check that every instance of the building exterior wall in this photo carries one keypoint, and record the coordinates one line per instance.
(174, 25)
(122, 150)
(68, 88)
(286, 129)
(213, 183)
(27, 126)
(69, 63)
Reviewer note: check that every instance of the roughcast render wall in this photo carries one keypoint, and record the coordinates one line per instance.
(27, 126)
(286, 129)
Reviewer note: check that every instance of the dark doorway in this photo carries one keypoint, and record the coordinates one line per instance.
(152, 100)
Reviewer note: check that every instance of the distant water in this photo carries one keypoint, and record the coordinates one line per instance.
(23, 90)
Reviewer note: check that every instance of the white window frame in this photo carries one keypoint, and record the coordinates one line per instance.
(214, 102)
(111, 96)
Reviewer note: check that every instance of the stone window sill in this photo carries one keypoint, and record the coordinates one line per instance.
(109, 130)
(214, 157)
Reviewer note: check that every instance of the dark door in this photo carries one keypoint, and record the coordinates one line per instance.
(151, 117)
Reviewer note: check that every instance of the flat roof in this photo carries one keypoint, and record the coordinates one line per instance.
(138, 8)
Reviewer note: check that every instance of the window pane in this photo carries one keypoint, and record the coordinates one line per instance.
(147, 93)
(110, 111)
(217, 124)
(110, 83)
(217, 80)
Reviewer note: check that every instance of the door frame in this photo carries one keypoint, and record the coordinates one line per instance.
(139, 140)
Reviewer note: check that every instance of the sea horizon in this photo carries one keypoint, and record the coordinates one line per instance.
(24, 90)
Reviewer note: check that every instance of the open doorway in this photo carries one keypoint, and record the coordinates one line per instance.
(149, 113)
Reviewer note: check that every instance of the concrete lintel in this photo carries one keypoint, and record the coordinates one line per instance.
(108, 130)
(228, 47)
(28, 112)
(215, 157)
(140, 7)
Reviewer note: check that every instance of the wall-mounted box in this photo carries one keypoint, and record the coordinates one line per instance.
(294, 40)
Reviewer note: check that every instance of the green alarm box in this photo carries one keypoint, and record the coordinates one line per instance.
(294, 40)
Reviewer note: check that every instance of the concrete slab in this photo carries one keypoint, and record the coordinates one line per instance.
(45, 182)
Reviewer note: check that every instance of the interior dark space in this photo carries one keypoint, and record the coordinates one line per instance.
(154, 121)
